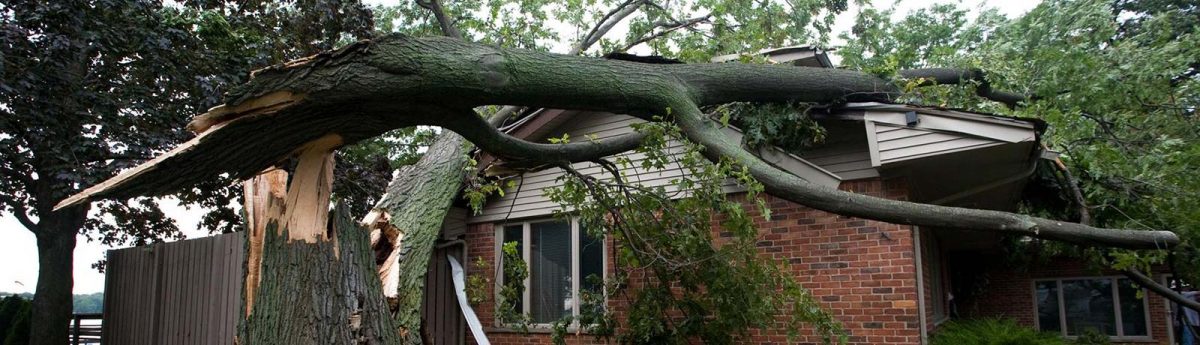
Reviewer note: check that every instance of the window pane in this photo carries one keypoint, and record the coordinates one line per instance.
(1133, 309)
(1047, 306)
(591, 262)
(550, 271)
(1089, 304)
(514, 233)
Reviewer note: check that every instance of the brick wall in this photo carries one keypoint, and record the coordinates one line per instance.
(862, 271)
(1008, 292)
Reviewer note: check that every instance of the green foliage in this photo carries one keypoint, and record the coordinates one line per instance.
(91, 88)
(14, 320)
(992, 332)
(733, 26)
(92, 303)
(1115, 81)
(508, 305)
(787, 126)
(711, 289)
(1091, 336)
(477, 284)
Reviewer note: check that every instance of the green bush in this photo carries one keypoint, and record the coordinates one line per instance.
(14, 320)
(1091, 336)
(992, 332)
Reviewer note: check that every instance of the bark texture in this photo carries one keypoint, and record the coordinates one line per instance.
(416, 202)
(52, 298)
(318, 293)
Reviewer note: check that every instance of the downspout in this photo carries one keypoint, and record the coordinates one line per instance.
(916, 234)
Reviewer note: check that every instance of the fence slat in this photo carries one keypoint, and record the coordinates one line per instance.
(185, 292)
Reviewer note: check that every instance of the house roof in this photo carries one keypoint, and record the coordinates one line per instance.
(796, 55)
(927, 146)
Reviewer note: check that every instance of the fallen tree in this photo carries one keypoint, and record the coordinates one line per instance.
(372, 86)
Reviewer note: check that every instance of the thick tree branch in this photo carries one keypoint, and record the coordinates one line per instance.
(984, 89)
(19, 211)
(439, 13)
(796, 189)
(520, 153)
(1068, 181)
(1161, 290)
(1142, 280)
(397, 81)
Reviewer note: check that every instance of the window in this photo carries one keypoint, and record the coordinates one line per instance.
(561, 257)
(937, 277)
(1109, 305)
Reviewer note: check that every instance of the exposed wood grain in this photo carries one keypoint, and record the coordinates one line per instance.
(264, 197)
(307, 210)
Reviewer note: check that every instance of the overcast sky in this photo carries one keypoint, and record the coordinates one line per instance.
(18, 249)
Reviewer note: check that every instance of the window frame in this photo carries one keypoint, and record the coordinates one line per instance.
(526, 253)
(937, 279)
(1062, 315)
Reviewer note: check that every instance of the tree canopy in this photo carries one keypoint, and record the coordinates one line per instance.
(1116, 82)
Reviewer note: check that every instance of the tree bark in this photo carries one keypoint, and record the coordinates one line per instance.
(1161, 290)
(416, 202)
(53, 299)
(318, 293)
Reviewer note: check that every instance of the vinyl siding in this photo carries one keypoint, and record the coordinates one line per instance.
(528, 198)
(897, 143)
(850, 158)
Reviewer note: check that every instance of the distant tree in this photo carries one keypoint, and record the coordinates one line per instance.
(91, 303)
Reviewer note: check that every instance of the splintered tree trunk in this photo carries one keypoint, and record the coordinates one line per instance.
(319, 293)
(415, 205)
(315, 281)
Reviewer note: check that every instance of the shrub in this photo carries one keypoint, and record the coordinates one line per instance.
(14, 320)
(1091, 336)
(992, 332)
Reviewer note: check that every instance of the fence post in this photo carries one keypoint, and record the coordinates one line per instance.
(75, 329)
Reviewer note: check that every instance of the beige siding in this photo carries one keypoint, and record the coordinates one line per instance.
(847, 152)
(897, 143)
(528, 198)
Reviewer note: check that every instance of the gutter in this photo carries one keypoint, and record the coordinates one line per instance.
(916, 234)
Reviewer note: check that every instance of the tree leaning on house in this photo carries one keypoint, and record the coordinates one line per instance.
(487, 74)
(371, 86)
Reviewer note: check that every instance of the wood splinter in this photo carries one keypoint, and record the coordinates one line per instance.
(386, 243)
(306, 213)
(264, 199)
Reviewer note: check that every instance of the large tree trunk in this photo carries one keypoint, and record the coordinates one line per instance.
(315, 280)
(415, 205)
(52, 300)
(318, 293)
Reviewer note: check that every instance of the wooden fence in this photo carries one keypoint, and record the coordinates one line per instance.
(85, 328)
(189, 292)
(185, 292)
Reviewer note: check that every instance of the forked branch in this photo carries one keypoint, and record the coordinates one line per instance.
(400, 81)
